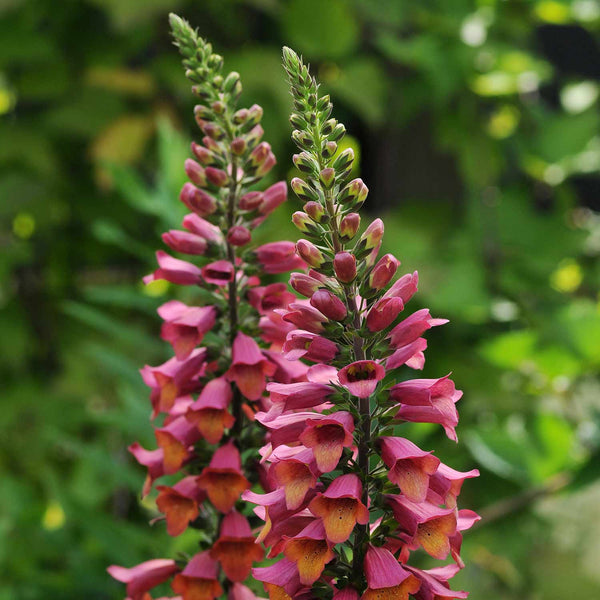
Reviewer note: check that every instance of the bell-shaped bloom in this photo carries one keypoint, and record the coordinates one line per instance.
(143, 577)
(446, 483)
(329, 304)
(383, 313)
(185, 242)
(428, 401)
(235, 548)
(209, 412)
(313, 347)
(288, 371)
(310, 550)
(360, 378)
(153, 460)
(424, 524)
(272, 197)
(386, 578)
(273, 330)
(340, 507)
(410, 467)
(347, 593)
(198, 581)
(174, 270)
(281, 579)
(220, 272)
(179, 503)
(173, 379)
(327, 436)
(434, 583)
(296, 475)
(278, 257)
(295, 396)
(412, 355)
(304, 316)
(184, 326)
(270, 297)
(465, 519)
(223, 480)
(413, 327)
(404, 288)
(249, 367)
(175, 440)
(198, 200)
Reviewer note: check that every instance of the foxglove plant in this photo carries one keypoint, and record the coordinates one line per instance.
(351, 500)
(226, 349)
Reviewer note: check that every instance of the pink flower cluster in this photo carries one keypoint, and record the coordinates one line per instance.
(225, 351)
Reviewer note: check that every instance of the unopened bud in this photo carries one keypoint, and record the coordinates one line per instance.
(302, 139)
(184, 241)
(203, 154)
(251, 200)
(309, 253)
(349, 226)
(383, 272)
(203, 113)
(198, 201)
(344, 160)
(327, 178)
(304, 284)
(303, 190)
(372, 235)
(238, 235)
(355, 193)
(272, 197)
(328, 149)
(344, 265)
(238, 146)
(339, 131)
(316, 211)
(217, 177)
(328, 126)
(303, 222)
(383, 313)
(254, 136)
(213, 131)
(298, 121)
(195, 172)
(305, 162)
(218, 107)
(230, 81)
(241, 116)
(329, 304)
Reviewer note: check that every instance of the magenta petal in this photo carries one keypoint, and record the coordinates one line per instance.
(202, 566)
(382, 569)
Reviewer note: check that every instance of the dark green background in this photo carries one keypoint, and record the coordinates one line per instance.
(476, 124)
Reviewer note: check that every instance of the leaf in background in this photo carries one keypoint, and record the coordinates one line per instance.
(510, 350)
(320, 29)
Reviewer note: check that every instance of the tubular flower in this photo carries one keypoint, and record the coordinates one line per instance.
(207, 397)
(332, 445)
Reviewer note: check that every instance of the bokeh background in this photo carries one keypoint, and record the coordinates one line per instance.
(477, 127)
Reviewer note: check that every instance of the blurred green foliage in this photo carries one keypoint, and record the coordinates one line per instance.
(477, 124)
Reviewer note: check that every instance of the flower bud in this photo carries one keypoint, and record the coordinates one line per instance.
(198, 201)
(212, 145)
(204, 155)
(255, 113)
(344, 265)
(309, 253)
(329, 304)
(254, 136)
(383, 271)
(349, 226)
(372, 235)
(328, 149)
(305, 162)
(302, 139)
(267, 165)
(217, 177)
(344, 160)
(303, 190)
(202, 113)
(251, 200)
(199, 226)
(328, 126)
(298, 121)
(231, 82)
(184, 241)
(355, 193)
(339, 131)
(218, 107)
(238, 146)
(316, 211)
(195, 172)
(323, 103)
(383, 313)
(213, 131)
(241, 116)
(238, 235)
(304, 284)
(272, 197)
(303, 222)
(327, 178)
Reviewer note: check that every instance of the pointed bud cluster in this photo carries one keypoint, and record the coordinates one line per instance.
(207, 395)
